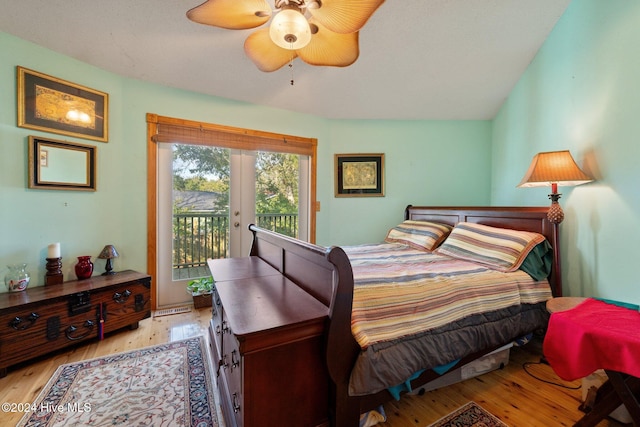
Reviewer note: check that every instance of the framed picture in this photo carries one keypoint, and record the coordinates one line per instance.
(359, 175)
(61, 165)
(54, 105)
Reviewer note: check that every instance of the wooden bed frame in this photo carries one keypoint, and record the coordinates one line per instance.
(326, 274)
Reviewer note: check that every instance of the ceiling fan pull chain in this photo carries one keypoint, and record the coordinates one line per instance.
(291, 69)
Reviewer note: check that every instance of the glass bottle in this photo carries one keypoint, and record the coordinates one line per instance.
(17, 279)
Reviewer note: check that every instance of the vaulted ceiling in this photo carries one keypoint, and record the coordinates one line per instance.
(419, 59)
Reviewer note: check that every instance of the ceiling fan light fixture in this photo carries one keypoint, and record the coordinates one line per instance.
(319, 32)
(290, 29)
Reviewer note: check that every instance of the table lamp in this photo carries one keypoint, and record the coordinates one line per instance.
(554, 168)
(108, 252)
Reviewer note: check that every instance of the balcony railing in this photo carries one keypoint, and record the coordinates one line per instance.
(199, 236)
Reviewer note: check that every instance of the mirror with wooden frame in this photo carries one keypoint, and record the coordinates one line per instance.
(61, 165)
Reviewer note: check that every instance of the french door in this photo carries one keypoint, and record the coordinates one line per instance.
(207, 197)
(246, 150)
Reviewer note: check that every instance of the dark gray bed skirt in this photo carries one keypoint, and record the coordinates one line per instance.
(388, 364)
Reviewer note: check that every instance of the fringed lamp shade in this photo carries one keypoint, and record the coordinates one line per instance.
(554, 168)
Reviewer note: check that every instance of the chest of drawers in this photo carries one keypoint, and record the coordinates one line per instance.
(267, 346)
(47, 318)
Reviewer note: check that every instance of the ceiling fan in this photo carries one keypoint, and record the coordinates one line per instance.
(320, 32)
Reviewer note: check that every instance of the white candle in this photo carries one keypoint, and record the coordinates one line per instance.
(53, 250)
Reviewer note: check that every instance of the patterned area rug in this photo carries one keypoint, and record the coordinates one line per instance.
(469, 415)
(163, 385)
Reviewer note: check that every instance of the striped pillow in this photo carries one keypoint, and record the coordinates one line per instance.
(498, 248)
(421, 235)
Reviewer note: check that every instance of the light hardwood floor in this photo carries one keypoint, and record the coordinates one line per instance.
(510, 393)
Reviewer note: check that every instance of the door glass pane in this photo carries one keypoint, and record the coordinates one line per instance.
(277, 182)
(200, 208)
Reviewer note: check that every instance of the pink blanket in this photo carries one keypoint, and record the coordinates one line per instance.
(594, 335)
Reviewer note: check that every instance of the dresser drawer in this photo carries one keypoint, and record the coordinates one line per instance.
(232, 371)
(227, 401)
(25, 334)
(214, 350)
(217, 313)
(125, 305)
(232, 399)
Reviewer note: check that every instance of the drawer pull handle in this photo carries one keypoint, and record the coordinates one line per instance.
(139, 302)
(225, 327)
(236, 403)
(218, 330)
(20, 324)
(89, 324)
(218, 368)
(235, 360)
(224, 362)
(121, 298)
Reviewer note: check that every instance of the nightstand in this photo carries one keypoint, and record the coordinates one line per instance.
(596, 335)
(563, 303)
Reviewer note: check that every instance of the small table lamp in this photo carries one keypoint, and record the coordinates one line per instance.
(554, 168)
(109, 252)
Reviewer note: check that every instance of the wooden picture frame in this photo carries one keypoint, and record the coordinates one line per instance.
(61, 165)
(54, 105)
(359, 175)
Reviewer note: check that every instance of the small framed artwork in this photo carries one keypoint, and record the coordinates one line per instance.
(61, 165)
(50, 104)
(359, 175)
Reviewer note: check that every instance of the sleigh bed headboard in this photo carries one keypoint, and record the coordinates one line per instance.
(518, 218)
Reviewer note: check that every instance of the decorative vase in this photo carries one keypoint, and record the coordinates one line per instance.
(84, 267)
(17, 279)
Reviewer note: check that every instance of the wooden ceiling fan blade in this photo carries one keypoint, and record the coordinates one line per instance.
(231, 14)
(267, 55)
(328, 48)
(345, 16)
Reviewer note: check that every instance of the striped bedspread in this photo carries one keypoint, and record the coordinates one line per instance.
(400, 291)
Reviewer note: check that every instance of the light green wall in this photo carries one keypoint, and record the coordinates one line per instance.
(582, 93)
(427, 162)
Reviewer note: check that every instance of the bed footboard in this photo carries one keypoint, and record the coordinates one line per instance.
(326, 274)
